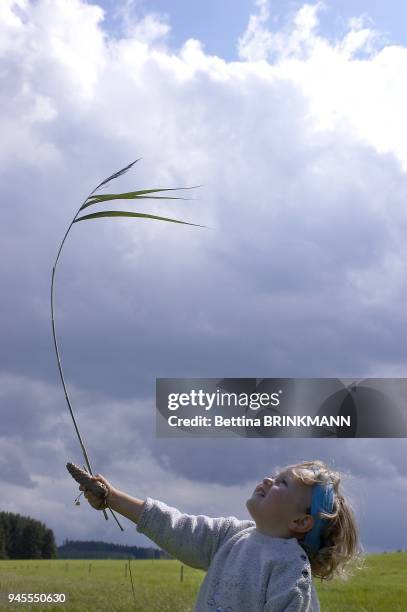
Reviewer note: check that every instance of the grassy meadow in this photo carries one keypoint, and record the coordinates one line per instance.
(105, 585)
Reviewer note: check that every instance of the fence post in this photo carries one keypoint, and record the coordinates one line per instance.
(132, 585)
(182, 574)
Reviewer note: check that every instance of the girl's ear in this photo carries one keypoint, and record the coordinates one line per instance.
(302, 524)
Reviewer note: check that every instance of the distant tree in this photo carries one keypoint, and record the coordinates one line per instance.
(76, 549)
(14, 543)
(48, 549)
(3, 552)
(22, 537)
(32, 540)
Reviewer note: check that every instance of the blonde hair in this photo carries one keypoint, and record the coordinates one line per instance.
(341, 550)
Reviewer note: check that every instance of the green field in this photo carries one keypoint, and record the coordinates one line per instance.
(105, 585)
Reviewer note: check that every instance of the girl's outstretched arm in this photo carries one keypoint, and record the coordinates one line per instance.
(192, 539)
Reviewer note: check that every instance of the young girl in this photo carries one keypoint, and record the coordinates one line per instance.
(302, 526)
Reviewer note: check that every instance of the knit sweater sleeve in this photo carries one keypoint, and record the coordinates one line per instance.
(192, 539)
(289, 589)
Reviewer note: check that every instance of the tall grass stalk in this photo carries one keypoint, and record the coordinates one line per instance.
(90, 201)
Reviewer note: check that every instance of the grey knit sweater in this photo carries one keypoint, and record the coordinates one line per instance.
(247, 571)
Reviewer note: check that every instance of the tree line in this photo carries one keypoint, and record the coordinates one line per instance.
(76, 549)
(22, 537)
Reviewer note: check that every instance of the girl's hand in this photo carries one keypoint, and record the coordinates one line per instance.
(101, 494)
(99, 498)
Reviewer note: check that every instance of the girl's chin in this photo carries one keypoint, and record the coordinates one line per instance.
(251, 503)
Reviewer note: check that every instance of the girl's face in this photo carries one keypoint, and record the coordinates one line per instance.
(279, 503)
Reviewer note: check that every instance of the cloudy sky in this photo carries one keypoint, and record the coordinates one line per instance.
(292, 118)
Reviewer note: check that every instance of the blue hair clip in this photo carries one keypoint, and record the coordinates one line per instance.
(322, 501)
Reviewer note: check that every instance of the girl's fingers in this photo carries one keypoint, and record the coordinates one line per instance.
(93, 499)
(102, 479)
(89, 496)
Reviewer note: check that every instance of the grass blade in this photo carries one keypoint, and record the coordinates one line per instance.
(121, 213)
(116, 175)
(132, 195)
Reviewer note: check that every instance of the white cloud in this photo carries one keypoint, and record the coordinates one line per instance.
(299, 39)
(257, 41)
(152, 28)
(362, 96)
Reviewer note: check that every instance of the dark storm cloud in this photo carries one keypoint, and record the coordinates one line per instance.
(13, 469)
